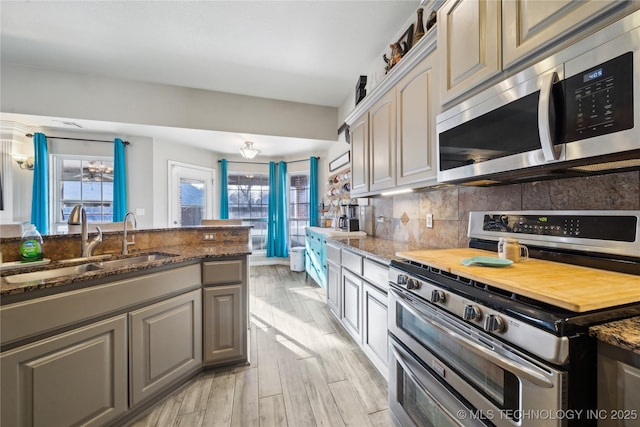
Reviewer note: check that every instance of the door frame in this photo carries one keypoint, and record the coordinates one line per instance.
(177, 170)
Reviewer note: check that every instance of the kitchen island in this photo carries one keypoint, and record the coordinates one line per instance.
(134, 327)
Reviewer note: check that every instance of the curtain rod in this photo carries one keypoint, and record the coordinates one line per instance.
(265, 163)
(30, 135)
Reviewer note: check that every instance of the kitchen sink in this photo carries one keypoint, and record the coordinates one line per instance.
(124, 262)
(37, 276)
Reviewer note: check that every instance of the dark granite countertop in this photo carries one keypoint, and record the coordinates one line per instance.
(373, 247)
(621, 333)
(184, 254)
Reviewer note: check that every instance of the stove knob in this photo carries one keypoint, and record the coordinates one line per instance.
(413, 284)
(402, 279)
(493, 323)
(471, 312)
(438, 296)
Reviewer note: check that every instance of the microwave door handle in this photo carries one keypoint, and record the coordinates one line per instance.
(544, 123)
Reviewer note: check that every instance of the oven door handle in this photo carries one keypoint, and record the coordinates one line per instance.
(503, 362)
(408, 370)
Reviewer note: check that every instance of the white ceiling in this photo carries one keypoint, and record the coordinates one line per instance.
(302, 51)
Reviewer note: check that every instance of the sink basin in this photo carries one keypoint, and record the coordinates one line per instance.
(124, 262)
(37, 276)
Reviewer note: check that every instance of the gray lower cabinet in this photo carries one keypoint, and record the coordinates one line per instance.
(334, 300)
(357, 296)
(333, 288)
(166, 343)
(224, 326)
(88, 356)
(351, 305)
(74, 378)
(225, 314)
(375, 341)
(618, 386)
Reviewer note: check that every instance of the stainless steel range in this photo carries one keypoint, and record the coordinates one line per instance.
(465, 352)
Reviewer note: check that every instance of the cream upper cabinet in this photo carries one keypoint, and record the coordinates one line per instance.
(531, 26)
(382, 142)
(469, 42)
(418, 103)
(360, 155)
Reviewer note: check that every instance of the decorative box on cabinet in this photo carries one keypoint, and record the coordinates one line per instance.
(225, 311)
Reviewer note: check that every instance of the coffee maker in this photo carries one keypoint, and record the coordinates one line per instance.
(348, 220)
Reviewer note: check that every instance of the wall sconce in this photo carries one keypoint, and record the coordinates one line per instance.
(25, 161)
(248, 152)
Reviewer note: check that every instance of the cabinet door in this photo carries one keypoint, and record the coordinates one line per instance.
(532, 26)
(469, 44)
(75, 378)
(375, 342)
(166, 344)
(333, 288)
(351, 305)
(314, 258)
(382, 143)
(359, 131)
(224, 324)
(417, 106)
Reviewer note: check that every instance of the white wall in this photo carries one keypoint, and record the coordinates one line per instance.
(28, 90)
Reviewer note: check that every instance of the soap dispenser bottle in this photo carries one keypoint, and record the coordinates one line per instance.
(31, 245)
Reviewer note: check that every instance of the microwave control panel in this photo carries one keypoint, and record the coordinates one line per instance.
(599, 100)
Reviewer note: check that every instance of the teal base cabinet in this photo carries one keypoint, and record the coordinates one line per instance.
(315, 257)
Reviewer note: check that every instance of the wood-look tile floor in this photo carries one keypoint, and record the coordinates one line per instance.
(305, 369)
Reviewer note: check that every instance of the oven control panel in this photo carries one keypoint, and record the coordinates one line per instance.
(598, 227)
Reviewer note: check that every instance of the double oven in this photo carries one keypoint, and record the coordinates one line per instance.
(463, 353)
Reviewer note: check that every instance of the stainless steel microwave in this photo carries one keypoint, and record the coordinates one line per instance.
(571, 114)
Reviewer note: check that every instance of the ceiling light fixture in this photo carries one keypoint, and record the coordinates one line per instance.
(25, 161)
(248, 152)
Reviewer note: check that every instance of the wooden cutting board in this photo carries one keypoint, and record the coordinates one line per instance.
(567, 286)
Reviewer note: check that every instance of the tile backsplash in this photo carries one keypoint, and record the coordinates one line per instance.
(404, 216)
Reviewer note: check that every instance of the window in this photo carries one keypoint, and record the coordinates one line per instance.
(82, 180)
(249, 201)
(298, 208)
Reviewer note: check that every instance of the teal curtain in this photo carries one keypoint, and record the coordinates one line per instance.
(313, 192)
(271, 218)
(119, 181)
(282, 241)
(40, 193)
(224, 190)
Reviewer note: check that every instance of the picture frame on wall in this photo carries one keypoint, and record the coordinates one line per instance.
(339, 161)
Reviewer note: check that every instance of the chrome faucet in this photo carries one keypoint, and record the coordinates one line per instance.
(125, 242)
(78, 216)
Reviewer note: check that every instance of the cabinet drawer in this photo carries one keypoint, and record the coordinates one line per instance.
(218, 272)
(352, 262)
(376, 273)
(333, 253)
